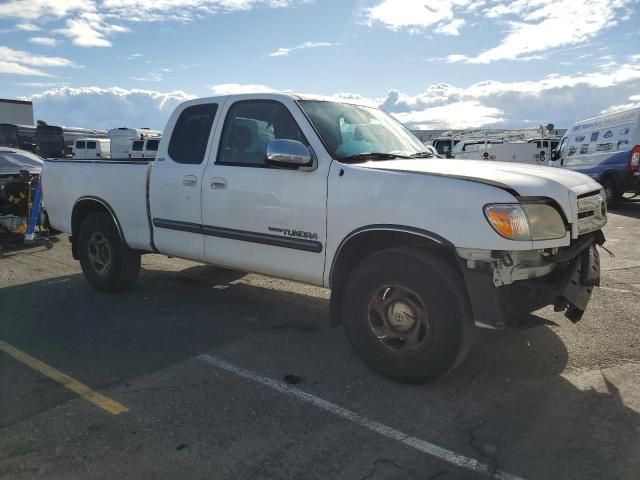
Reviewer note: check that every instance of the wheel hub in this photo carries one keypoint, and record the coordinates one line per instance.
(99, 253)
(401, 316)
(398, 318)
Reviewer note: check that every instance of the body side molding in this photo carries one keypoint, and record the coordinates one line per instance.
(242, 235)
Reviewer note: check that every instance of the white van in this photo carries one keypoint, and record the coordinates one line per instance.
(144, 148)
(122, 139)
(607, 148)
(91, 149)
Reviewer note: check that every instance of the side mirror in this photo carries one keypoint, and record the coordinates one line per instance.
(554, 155)
(288, 153)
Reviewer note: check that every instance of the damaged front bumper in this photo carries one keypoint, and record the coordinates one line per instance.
(504, 287)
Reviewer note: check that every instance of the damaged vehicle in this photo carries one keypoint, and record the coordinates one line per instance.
(19, 170)
(417, 250)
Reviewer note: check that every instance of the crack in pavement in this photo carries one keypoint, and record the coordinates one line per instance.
(493, 460)
(377, 463)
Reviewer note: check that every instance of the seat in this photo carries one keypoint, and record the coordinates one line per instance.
(240, 140)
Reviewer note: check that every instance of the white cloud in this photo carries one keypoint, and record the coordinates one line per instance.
(90, 23)
(236, 88)
(465, 114)
(38, 84)
(414, 14)
(12, 68)
(42, 9)
(533, 27)
(17, 62)
(561, 99)
(283, 52)
(44, 41)
(541, 25)
(634, 102)
(96, 107)
(27, 27)
(90, 30)
(451, 28)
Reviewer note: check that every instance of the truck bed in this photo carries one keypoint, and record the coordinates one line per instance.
(122, 185)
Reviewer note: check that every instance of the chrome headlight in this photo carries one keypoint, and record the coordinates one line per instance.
(525, 221)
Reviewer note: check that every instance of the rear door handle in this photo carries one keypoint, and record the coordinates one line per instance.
(189, 180)
(218, 182)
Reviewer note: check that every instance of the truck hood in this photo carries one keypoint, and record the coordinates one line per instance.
(521, 180)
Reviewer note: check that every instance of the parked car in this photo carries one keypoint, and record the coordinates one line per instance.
(146, 148)
(607, 148)
(416, 249)
(91, 149)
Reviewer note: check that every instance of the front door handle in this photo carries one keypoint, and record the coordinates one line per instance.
(190, 181)
(218, 182)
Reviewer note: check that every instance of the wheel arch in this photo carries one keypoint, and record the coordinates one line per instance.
(84, 207)
(367, 240)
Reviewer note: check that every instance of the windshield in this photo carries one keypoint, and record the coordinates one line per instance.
(349, 130)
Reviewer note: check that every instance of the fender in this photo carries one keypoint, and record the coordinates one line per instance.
(107, 207)
(433, 237)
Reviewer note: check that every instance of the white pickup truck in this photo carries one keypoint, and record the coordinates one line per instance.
(416, 249)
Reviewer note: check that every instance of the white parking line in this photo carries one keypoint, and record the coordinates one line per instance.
(421, 445)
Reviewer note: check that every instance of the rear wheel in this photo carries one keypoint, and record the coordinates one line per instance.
(406, 315)
(107, 263)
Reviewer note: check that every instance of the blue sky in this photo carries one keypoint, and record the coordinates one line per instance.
(432, 63)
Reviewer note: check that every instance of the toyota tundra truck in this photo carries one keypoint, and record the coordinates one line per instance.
(416, 250)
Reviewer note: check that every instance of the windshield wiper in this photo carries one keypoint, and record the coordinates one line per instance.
(363, 157)
(425, 154)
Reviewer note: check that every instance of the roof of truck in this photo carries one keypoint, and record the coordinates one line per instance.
(293, 95)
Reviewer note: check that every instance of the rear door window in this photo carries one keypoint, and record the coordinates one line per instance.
(137, 146)
(152, 145)
(190, 136)
(80, 145)
(91, 145)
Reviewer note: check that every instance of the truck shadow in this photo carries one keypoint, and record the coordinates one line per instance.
(628, 208)
(10, 247)
(508, 395)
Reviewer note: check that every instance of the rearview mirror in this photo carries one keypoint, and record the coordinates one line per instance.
(283, 152)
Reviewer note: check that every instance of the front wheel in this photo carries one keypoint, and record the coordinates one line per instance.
(406, 315)
(107, 263)
(611, 192)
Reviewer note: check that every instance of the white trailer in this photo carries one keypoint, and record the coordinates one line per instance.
(122, 139)
(17, 112)
(519, 152)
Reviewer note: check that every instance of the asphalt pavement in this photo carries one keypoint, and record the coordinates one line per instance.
(200, 372)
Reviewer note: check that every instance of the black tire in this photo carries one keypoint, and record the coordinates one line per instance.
(427, 281)
(611, 192)
(99, 241)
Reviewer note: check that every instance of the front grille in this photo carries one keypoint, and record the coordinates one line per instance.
(592, 212)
